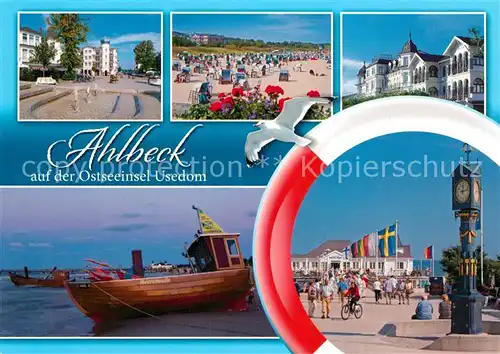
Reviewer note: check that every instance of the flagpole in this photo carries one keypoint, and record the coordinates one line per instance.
(376, 254)
(397, 241)
(482, 244)
(432, 260)
(199, 218)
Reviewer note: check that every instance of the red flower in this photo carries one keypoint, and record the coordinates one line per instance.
(274, 90)
(221, 95)
(281, 102)
(216, 106)
(313, 93)
(237, 91)
(228, 100)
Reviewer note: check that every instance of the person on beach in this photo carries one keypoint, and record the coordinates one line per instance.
(424, 310)
(312, 296)
(326, 299)
(377, 289)
(445, 308)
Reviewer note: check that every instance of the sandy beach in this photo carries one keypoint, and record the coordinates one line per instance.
(300, 82)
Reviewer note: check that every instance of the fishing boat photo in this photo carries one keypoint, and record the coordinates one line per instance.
(219, 280)
(55, 279)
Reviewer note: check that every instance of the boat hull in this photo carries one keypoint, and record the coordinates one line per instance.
(116, 299)
(47, 283)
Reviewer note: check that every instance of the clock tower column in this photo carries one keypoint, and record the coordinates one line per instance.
(467, 301)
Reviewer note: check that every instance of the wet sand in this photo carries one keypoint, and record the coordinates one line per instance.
(202, 324)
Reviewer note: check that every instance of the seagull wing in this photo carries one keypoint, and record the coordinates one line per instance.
(255, 142)
(295, 109)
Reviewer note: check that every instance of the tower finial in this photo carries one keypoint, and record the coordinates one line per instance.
(410, 35)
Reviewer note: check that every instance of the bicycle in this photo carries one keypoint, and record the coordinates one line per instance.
(346, 312)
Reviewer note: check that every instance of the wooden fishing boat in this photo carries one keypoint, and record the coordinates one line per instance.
(220, 281)
(56, 279)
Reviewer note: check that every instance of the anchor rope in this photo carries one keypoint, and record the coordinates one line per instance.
(124, 303)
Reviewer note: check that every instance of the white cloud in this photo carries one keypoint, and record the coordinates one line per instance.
(348, 87)
(45, 19)
(39, 244)
(16, 244)
(132, 38)
(351, 63)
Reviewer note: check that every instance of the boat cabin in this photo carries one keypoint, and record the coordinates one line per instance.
(211, 252)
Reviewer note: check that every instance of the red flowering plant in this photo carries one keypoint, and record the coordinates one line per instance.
(250, 105)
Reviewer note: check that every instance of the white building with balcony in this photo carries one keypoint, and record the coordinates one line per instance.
(457, 74)
(332, 255)
(101, 60)
(28, 40)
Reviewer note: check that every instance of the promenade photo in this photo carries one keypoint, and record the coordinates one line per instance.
(389, 253)
(129, 262)
(432, 55)
(90, 66)
(245, 66)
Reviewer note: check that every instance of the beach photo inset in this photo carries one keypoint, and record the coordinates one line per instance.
(244, 66)
(129, 262)
(90, 66)
(440, 55)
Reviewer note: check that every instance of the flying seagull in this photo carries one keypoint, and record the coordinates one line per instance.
(282, 128)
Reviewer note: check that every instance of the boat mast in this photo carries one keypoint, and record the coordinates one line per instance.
(200, 231)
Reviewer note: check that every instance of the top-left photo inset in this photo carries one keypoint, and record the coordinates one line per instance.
(90, 66)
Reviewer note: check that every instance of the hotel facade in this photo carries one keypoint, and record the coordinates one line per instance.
(331, 255)
(101, 60)
(457, 74)
(28, 40)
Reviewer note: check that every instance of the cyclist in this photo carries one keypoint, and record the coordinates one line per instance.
(353, 293)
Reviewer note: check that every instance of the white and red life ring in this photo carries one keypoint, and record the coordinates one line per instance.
(298, 171)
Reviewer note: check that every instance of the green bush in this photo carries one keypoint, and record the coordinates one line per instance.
(252, 106)
(352, 101)
(69, 76)
(27, 74)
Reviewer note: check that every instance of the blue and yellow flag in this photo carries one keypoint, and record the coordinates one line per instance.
(387, 241)
(208, 226)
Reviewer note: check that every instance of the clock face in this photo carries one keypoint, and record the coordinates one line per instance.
(462, 191)
(477, 191)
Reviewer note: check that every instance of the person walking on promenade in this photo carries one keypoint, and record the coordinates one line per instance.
(401, 291)
(312, 296)
(342, 290)
(424, 310)
(377, 289)
(388, 290)
(445, 308)
(408, 290)
(326, 299)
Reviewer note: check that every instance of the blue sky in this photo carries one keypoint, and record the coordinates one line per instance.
(124, 31)
(269, 28)
(422, 205)
(386, 34)
(61, 227)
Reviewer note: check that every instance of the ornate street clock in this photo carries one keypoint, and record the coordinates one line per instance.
(467, 187)
(466, 201)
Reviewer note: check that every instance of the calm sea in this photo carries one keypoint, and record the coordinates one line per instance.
(30, 311)
(41, 312)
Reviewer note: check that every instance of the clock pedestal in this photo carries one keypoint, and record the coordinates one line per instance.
(466, 315)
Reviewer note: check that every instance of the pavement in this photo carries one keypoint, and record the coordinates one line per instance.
(361, 336)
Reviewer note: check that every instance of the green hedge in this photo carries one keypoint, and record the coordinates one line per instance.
(352, 101)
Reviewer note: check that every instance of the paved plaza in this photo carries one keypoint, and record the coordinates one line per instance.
(361, 336)
(129, 99)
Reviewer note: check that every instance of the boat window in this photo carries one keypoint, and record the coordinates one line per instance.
(231, 246)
